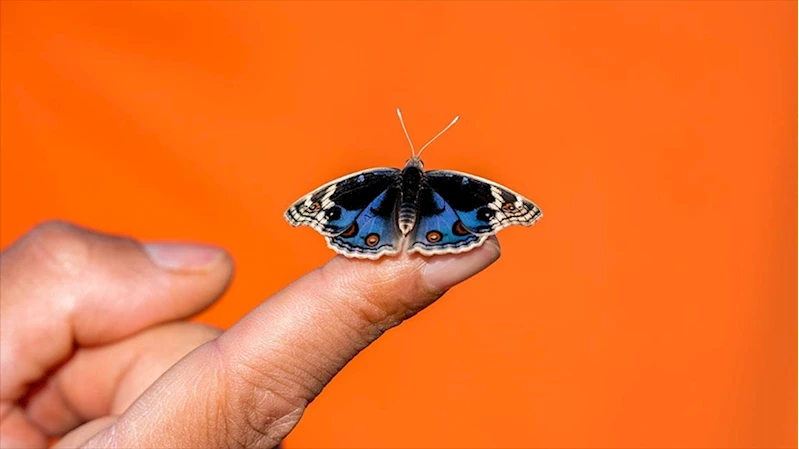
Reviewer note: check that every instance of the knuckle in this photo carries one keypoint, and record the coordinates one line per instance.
(60, 245)
(263, 428)
(262, 405)
(54, 228)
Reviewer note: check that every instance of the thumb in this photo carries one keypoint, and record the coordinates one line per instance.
(63, 288)
(250, 387)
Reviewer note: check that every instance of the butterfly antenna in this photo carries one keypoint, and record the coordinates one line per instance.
(457, 117)
(407, 136)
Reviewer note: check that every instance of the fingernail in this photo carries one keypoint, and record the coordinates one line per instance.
(182, 257)
(444, 272)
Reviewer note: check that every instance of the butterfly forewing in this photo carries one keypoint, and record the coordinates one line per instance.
(483, 206)
(334, 207)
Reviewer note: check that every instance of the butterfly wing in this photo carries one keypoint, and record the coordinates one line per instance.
(484, 207)
(374, 232)
(332, 208)
(439, 229)
(349, 210)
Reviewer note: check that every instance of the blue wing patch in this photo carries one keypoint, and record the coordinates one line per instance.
(485, 207)
(332, 208)
(439, 229)
(373, 233)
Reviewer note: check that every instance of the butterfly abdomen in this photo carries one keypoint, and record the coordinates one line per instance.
(406, 218)
(407, 211)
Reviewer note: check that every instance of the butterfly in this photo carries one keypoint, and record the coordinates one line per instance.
(380, 211)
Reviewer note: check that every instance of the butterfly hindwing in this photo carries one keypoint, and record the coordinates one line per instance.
(484, 207)
(374, 232)
(439, 229)
(334, 207)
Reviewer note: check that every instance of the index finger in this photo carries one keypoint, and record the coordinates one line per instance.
(250, 387)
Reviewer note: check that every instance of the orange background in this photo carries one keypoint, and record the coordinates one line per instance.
(654, 305)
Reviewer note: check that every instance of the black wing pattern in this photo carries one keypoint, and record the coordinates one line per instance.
(334, 207)
(483, 206)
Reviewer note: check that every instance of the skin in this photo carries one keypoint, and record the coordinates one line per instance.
(95, 347)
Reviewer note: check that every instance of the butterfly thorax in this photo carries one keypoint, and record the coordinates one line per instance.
(410, 184)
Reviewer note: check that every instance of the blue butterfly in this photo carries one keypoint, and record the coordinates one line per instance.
(380, 211)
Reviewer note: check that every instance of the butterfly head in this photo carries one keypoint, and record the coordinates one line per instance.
(415, 162)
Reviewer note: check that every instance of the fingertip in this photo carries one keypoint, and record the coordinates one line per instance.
(437, 273)
(444, 272)
(193, 266)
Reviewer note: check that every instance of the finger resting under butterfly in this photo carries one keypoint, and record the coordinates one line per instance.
(250, 387)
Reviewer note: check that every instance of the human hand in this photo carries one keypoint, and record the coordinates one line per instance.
(93, 345)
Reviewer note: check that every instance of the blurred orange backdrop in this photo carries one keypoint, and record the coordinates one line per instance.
(654, 305)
